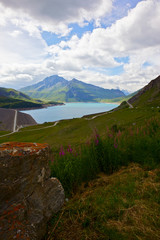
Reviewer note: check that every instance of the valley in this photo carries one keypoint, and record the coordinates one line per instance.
(79, 120)
(108, 164)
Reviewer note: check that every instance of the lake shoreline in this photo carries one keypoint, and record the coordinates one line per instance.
(37, 108)
(69, 111)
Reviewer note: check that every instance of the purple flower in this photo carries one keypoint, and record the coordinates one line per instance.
(115, 144)
(96, 141)
(61, 153)
(70, 150)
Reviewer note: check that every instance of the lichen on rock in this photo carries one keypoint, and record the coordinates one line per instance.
(29, 197)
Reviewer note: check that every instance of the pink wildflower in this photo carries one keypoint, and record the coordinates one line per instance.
(69, 149)
(115, 145)
(61, 153)
(96, 141)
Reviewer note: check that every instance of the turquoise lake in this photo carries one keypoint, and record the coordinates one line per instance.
(68, 111)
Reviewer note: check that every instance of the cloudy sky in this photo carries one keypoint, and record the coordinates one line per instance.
(108, 43)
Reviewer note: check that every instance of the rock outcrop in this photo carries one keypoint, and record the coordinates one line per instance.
(28, 196)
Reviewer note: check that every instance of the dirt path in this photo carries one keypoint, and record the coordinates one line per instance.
(130, 105)
(97, 116)
(18, 128)
(42, 128)
(14, 128)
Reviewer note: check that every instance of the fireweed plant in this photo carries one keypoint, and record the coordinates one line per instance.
(117, 148)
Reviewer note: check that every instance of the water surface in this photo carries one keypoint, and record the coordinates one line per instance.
(68, 111)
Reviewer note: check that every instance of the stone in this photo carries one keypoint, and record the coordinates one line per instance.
(28, 196)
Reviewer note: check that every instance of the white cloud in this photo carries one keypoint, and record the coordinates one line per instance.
(55, 15)
(136, 36)
(25, 57)
(19, 43)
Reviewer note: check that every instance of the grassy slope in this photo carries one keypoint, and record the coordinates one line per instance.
(76, 131)
(10, 92)
(48, 95)
(10, 98)
(6, 102)
(3, 132)
(122, 206)
(120, 99)
(151, 98)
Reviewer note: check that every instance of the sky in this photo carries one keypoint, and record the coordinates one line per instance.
(108, 43)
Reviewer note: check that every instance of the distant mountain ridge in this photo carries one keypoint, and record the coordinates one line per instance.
(57, 88)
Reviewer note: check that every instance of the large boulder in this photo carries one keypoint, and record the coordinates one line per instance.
(28, 196)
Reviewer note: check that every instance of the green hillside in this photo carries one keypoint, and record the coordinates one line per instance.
(120, 99)
(12, 93)
(148, 96)
(11, 98)
(79, 130)
(109, 166)
(6, 102)
(58, 89)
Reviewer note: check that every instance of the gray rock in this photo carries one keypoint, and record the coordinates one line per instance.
(29, 197)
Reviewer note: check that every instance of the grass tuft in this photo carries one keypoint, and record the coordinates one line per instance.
(119, 206)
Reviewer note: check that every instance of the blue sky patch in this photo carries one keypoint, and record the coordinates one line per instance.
(79, 31)
(52, 38)
(115, 71)
(122, 59)
(109, 71)
(146, 64)
(120, 9)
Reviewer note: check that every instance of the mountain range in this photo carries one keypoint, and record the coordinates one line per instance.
(57, 88)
